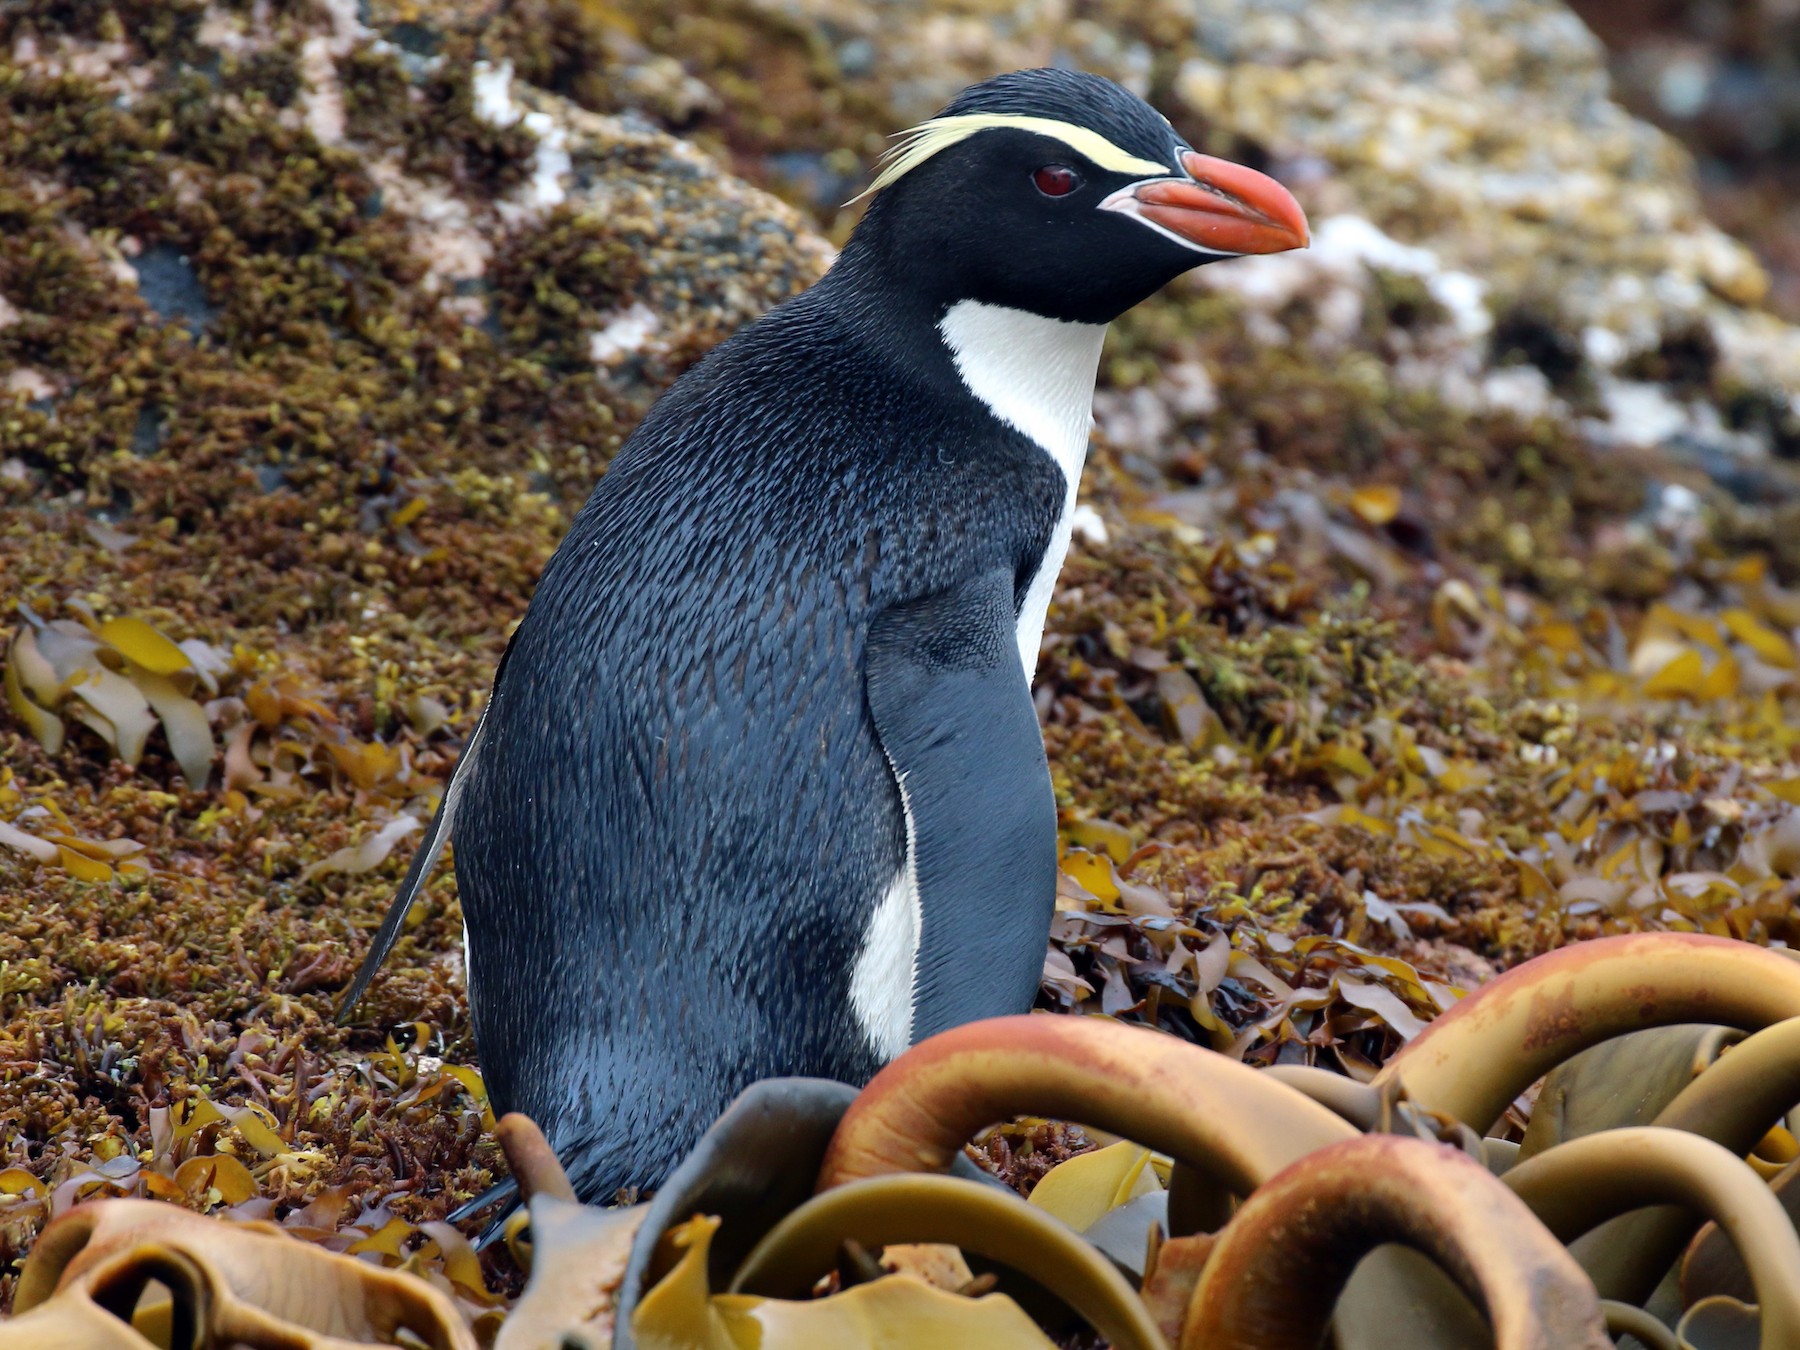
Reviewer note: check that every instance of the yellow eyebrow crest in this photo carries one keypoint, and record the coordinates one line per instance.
(918, 144)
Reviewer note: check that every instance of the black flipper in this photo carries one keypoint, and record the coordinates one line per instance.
(437, 834)
(952, 706)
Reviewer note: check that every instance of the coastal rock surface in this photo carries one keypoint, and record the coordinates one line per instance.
(1431, 603)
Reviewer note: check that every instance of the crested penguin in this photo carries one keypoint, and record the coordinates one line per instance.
(760, 789)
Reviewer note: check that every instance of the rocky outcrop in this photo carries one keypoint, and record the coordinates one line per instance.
(1470, 144)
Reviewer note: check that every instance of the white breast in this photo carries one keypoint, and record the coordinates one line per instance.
(1037, 375)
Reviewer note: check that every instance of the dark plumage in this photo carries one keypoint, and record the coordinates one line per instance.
(696, 787)
(807, 577)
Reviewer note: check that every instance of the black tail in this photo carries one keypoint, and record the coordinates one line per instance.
(504, 1194)
(437, 834)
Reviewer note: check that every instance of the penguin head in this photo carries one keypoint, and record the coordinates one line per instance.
(1065, 195)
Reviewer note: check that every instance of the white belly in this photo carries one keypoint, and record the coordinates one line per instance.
(1043, 585)
(881, 985)
(468, 968)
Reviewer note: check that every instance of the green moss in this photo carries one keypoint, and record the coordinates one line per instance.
(1534, 332)
(160, 29)
(271, 77)
(108, 157)
(1400, 300)
(554, 279)
(777, 78)
(564, 46)
(433, 119)
(377, 94)
(1686, 356)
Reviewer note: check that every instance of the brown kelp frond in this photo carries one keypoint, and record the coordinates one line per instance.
(812, 1216)
(1202, 1108)
(1581, 1183)
(1276, 1269)
(244, 1283)
(982, 1220)
(1494, 1044)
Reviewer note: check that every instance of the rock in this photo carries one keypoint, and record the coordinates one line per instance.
(285, 243)
(1471, 144)
(1722, 75)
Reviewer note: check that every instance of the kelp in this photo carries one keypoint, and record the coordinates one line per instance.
(1419, 1191)
(1492, 1231)
(811, 1215)
(247, 1284)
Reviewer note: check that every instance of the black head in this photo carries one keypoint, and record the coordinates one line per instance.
(1063, 194)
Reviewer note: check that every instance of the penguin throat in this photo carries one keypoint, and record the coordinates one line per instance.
(1033, 373)
(1036, 375)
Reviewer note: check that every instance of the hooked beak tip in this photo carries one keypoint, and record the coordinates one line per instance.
(1225, 208)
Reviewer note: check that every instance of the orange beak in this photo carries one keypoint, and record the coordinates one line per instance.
(1225, 208)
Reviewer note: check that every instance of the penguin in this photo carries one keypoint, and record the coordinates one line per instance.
(760, 789)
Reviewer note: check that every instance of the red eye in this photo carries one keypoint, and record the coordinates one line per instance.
(1056, 180)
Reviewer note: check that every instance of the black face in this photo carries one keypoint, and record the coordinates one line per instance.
(1013, 217)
